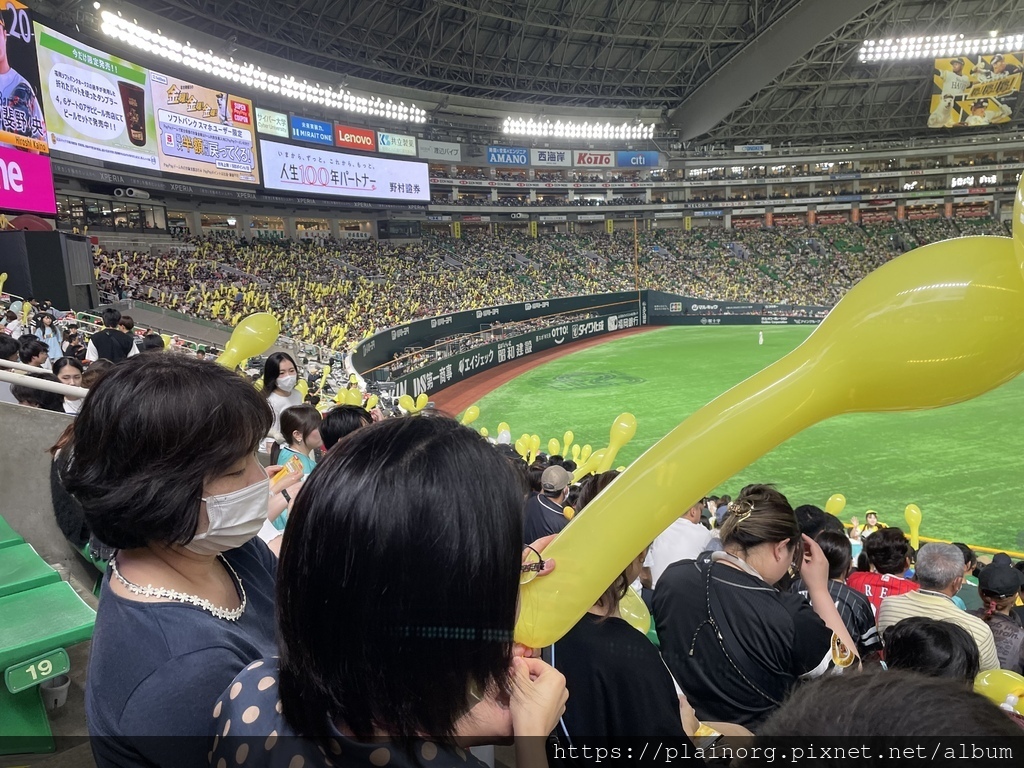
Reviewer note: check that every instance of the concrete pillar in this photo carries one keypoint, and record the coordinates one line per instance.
(195, 222)
(289, 227)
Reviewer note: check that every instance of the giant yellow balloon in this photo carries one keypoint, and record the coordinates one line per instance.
(933, 327)
(912, 514)
(623, 429)
(253, 336)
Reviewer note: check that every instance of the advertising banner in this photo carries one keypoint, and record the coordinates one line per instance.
(440, 151)
(355, 138)
(22, 123)
(106, 108)
(561, 158)
(971, 91)
(396, 144)
(451, 370)
(99, 105)
(311, 171)
(752, 148)
(272, 123)
(593, 159)
(26, 182)
(637, 159)
(204, 132)
(310, 130)
(508, 156)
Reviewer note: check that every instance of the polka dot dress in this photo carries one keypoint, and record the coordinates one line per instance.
(251, 731)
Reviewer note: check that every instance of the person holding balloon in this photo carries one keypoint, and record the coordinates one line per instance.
(736, 644)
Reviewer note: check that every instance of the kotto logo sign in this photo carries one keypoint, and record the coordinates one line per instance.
(355, 138)
(594, 159)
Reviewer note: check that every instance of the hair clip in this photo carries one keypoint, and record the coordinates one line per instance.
(744, 516)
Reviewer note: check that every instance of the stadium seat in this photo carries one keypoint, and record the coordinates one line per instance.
(22, 569)
(38, 624)
(8, 536)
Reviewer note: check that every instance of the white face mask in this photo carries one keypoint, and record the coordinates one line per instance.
(73, 404)
(287, 383)
(234, 519)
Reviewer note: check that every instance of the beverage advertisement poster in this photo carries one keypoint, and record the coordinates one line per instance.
(97, 105)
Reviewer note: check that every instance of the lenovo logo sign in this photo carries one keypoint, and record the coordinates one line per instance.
(355, 138)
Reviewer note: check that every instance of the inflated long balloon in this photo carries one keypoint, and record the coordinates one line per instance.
(623, 429)
(936, 326)
(253, 336)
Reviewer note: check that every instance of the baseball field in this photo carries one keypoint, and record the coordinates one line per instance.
(962, 465)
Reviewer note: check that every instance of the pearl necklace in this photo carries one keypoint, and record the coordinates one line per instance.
(230, 614)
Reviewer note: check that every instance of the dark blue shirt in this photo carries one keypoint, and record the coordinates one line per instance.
(157, 669)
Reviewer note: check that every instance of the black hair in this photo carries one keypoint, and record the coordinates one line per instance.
(838, 551)
(592, 486)
(37, 321)
(110, 317)
(887, 549)
(30, 347)
(850, 706)
(127, 322)
(760, 514)
(152, 342)
(932, 647)
(970, 558)
(813, 520)
(398, 492)
(304, 419)
(534, 473)
(272, 369)
(63, 362)
(340, 421)
(8, 347)
(134, 464)
(39, 398)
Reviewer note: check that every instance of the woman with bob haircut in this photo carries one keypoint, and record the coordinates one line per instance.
(342, 420)
(162, 461)
(736, 644)
(932, 647)
(397, 596)
(69, 370)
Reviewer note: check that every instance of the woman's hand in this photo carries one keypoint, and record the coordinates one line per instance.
(549, 566)
(538, 697)
(287, 481)
(814, 570)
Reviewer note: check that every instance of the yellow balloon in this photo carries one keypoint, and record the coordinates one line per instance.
(258, 384)
(471, 415)
(421, 401)
(620, 469)
(936, 326)
(553, 447)
(3, 279)
(836, 504)
(534, 443)
(166, 339)
(371, 402)
(484, 432)
(623, 429)
(567, 439)
(406, 403)
(634, 610)
(522, 448)
(588, 466)
(1001, 686)
(576, 453)
(253, 336)
(568, 513)
(302, 387)
(585, 453)
(504, 427)
(912, 514)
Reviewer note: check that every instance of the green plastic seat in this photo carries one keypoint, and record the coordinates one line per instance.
(34, 622)
(8, 536)
(22, 569)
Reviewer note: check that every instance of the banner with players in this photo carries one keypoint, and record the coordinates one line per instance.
(970, 91)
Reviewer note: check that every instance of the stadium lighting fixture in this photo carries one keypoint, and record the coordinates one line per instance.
(559, 129)
(937, 47)
(252, 76)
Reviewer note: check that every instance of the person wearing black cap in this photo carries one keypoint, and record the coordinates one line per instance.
(543, 514)
(999, 585)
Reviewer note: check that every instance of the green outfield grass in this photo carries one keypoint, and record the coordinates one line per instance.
(963, 465)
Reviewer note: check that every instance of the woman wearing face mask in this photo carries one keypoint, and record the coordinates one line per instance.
(280, 375)
(69, 370)
(187, 600)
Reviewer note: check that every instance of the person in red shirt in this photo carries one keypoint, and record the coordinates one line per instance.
(888, 553)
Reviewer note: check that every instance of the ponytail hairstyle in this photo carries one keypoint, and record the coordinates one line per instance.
(995, 604)
(760, 515)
